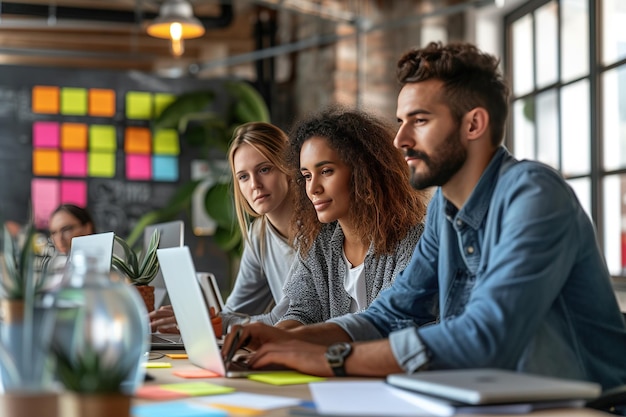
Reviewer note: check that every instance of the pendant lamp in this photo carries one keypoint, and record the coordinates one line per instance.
(176, 22)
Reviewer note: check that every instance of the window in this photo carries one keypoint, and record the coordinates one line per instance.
(566, 62)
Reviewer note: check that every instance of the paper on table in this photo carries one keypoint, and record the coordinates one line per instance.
(251, 401)
(176, 409)
(284, 378)
(198, 388)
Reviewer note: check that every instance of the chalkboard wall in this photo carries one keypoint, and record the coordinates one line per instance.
(115, 201)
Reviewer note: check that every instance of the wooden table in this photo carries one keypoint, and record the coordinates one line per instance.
(165, 376)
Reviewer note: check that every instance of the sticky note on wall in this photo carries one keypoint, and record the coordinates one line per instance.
(164, 168)
(101, 102)
(45, 135)
(102, 138)
(74, 164)
(101, 164)
(74, 101)
(137, 140)
(45, 198)
(45, 99)
(46, 162)
(74, 136)
(138, 105)
(161, 101)
(166, 142)
(74, 192)
(138, 167)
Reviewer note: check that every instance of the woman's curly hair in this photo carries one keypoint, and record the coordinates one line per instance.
(381, 197)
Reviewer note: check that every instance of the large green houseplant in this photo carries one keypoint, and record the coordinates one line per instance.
(209, 130)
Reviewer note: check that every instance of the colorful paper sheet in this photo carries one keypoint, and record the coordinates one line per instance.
(164, 168)
(285, 378)
(74, 101)
(195, 373)
(138, 167)
(156, 365)
(161, 101)
(101, 102)
(74, 136)
(194, 389)
(138, 105)
(166, 142)
(102, 164)
(45, 198)
(45, 99)
(74, 192)
(102, 138)
(249, 403)
(74, 164)
(137, 140)
(45, 135)
(46, 162)
(175, 409)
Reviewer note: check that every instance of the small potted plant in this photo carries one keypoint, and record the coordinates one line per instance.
(141, 270)
(93, 383)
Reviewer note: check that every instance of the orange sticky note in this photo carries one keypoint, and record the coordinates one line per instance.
(46, 162)
(153, 392)
(74, 136)
(137, 140)
(237, 410)
(177, 355)
(195, 373)
(45, 99)
(101, 102)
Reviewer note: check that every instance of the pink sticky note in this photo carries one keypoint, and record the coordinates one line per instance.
(45, 198)
(74, 164)
(195, 373)
(153, 392)
(45, 135)
(74, 192)
(138, 167)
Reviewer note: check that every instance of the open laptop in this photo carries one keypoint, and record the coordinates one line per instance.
(494, 386)
(192, 314)
(172, 236)
(99, 245)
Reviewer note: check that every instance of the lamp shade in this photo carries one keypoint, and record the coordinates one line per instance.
(176, 11)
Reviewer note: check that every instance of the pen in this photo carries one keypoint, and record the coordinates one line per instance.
(233, 347)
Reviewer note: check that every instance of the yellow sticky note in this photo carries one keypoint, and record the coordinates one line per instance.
(166, 142)
(285, 378)
(74, 101)
(102, 164)
(102, 138)
(198, 388)
(177, 355)
(138, 105)
(153, 365)
(161, 101)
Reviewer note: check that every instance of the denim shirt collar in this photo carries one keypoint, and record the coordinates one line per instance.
(477, 205)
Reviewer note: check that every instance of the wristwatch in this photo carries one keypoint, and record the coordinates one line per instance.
(336, 355)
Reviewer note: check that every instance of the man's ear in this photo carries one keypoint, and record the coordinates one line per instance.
(476, 123)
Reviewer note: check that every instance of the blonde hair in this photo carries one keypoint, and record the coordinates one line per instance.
(269, 141)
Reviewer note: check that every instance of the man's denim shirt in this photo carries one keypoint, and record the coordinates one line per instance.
(514, 280)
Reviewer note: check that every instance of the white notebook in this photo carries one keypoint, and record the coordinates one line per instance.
(494, 386)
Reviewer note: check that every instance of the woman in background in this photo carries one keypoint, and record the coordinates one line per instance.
(263, 205)
(66, 222)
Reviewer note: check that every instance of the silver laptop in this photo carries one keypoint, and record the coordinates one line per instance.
(172, 236)
(192, 314)
(494, 386)
(99, 245)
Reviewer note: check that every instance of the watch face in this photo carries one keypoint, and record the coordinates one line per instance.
(338, 351)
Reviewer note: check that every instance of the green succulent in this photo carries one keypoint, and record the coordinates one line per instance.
(86, 372)
(142, 270)
(19, 265)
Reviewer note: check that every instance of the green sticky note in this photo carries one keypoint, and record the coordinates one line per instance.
(285, 378)
(198, 388)
(102, 138)
(74, 101)
(166, 142)
(161, 101)
(138, 105)
(102, 164)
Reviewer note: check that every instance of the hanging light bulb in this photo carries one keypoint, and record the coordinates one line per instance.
(176, 33)
(176, 22)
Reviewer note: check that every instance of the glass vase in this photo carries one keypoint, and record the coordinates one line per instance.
(101, 330)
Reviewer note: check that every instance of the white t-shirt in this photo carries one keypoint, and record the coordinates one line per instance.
(354, 284)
